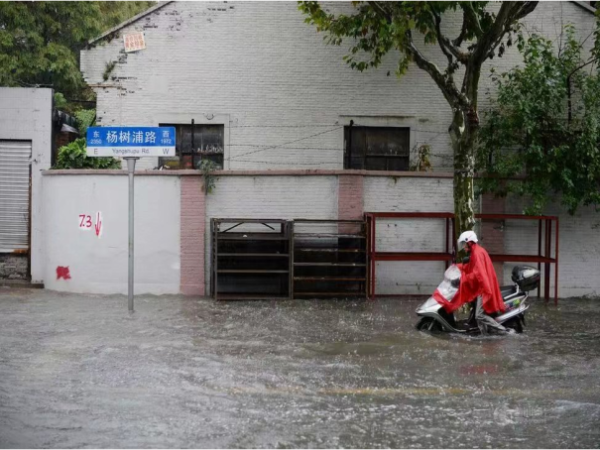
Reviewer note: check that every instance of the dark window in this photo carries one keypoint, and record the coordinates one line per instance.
(376, 148)
(196, 143)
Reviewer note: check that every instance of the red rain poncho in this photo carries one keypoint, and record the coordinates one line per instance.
(478, 277)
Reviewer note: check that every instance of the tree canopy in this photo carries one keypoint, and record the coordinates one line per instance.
(541, 136)
(40, 41)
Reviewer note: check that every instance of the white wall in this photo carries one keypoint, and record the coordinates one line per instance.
(389, 194)
(579, 247)
(100, 265)
(26, 114)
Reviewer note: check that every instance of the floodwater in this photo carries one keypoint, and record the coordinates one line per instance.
(80, 371)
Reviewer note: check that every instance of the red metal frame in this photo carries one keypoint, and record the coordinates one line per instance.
(374, 256)
(447, 256)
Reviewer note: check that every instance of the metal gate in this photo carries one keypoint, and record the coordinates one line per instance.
(14, 195)
(277, 259)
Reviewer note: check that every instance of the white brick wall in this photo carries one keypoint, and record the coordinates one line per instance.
(271, 73)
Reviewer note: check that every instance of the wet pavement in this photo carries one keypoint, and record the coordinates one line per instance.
(80, 371)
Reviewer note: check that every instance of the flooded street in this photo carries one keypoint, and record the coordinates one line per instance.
(80, 371)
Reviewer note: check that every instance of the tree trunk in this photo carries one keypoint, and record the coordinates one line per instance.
(463, 132)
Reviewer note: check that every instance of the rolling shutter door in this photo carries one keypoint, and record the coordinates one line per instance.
(14, 195)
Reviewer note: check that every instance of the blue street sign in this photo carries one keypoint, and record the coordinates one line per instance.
(130, 141)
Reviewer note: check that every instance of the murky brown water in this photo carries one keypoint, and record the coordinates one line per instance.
(79, 371)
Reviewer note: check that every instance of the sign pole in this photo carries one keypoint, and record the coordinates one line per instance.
(130, 143)
(130, 169)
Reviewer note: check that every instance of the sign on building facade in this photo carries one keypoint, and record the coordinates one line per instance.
(134, 42)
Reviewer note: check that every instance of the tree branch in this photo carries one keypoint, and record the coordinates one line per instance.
(438, 31)
(510, 13)
(448, 48)
(463, 32)
(454, 97)
(587, 63)
(471, 15)
(525, 8)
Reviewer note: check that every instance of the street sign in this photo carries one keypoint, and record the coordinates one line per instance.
(130, 141)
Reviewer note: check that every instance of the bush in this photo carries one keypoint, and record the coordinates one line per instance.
(73, 156)
(85, 118)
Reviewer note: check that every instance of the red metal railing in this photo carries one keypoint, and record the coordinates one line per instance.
(544, 255)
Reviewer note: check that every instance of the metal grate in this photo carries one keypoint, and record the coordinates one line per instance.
(250, 259)
(265, 259)
(330, 259)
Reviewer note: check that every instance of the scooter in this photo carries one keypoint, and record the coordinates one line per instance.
(434, 318)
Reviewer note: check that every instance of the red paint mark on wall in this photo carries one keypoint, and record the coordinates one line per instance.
(98, 224)
(63, 272)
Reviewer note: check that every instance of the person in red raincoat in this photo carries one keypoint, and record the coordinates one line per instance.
(478, 281)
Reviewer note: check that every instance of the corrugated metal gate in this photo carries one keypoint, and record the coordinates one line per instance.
(14, 195)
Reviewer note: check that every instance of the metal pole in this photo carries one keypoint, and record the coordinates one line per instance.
(556, 266)
(130, 169)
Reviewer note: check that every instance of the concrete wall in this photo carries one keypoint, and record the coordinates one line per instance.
(26, 115)
(173, 216)
(98, 264)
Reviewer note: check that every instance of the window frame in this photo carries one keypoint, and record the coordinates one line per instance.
(195, 156)
(347, 160)
(200, 118)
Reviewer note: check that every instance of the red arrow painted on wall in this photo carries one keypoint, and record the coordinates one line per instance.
(98, 224)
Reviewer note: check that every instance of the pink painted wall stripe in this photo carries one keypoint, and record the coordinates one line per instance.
(350, 197)
(193, 220)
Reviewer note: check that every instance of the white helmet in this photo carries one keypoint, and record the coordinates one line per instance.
(467, 236)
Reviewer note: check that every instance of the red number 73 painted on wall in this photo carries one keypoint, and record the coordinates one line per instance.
(86, 221)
